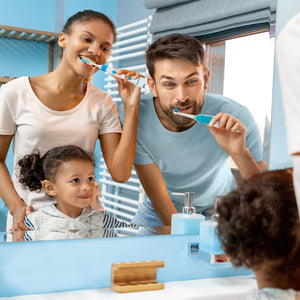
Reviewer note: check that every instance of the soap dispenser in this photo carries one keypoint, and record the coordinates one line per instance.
(209, 240)
(187, 222)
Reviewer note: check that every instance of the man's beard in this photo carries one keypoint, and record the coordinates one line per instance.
(181, 120)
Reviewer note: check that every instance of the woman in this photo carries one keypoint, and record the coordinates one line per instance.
(62, 107)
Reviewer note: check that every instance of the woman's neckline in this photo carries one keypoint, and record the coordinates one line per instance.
(54, 111)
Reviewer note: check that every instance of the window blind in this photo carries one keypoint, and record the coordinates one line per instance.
(210, 19)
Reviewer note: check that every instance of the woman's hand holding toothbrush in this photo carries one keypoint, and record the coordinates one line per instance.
(129, 93)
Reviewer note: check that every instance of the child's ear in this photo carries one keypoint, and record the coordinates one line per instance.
(49, 187)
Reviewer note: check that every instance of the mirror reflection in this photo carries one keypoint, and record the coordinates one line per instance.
(60, 220)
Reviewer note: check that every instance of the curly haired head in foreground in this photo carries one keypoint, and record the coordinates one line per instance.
(259, 225)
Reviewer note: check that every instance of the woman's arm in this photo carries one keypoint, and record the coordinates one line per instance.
(8, 193)
(119, 150)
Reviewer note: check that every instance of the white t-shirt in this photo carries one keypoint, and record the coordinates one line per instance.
(288, 60)
(35, 126)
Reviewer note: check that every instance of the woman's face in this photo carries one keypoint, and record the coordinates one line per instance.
(91, 39)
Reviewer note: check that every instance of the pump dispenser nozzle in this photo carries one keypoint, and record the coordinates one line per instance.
(188, 207)
(215, 215)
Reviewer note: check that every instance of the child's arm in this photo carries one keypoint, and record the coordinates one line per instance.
(112, 222)
(108, 233)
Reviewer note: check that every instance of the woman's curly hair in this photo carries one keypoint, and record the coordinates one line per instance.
(259, 222)
(34, 168)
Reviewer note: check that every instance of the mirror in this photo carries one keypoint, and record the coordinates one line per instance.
(38, 63)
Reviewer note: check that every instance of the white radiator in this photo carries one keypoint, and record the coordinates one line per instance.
(122, 200)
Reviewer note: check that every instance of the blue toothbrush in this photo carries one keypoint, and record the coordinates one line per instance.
(199, 118)
(140, 82)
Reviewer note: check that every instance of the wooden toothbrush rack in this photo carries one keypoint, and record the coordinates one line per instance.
(135, 276)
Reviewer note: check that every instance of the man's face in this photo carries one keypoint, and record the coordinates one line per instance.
(178, 83)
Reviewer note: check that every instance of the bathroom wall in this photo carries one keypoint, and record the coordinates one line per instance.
(136, 12)
(32, 14)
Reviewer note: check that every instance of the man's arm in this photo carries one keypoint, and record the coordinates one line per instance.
(155, 187)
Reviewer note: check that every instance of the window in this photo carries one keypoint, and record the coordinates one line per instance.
(242, 69)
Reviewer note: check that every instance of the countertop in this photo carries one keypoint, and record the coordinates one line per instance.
(225, 288)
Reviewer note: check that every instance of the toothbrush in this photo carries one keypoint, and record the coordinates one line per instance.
(200, 118)
(140, 82)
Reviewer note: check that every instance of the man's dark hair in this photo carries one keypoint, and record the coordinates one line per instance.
(175, 46)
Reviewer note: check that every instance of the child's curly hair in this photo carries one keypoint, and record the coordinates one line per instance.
(259, 222)
(35, 168)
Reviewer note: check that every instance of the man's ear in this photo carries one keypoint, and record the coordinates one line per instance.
(49, 187)
(62, 40)
(206, 77)
(152, 86)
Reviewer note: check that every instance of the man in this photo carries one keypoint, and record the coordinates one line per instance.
(177, 154)
(288, 59)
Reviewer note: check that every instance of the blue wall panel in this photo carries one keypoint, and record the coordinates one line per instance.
(108, 8)
(20, 58)
(130, 11)
(31, 14)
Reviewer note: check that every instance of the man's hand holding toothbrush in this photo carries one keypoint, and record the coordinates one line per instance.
(230, 134)
(231, 137)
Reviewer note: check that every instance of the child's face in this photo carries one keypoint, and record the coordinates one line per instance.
(92, 40)
(74, 186)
